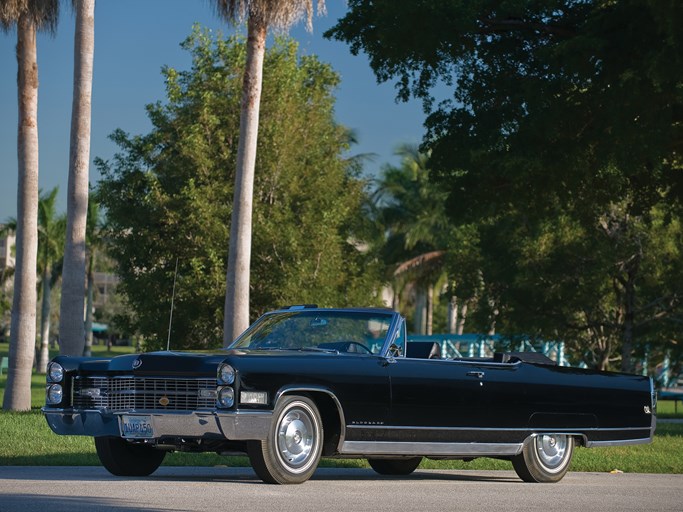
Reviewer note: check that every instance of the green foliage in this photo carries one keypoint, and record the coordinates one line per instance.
(412, 230)
(587, 87)
(51, 234)
(582, 101)
(168, 195)
(561, 146)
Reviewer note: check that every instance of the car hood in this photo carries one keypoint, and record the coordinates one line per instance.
(158, 363)
(190, 364)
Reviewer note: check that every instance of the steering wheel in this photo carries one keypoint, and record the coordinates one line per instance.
(354, 346)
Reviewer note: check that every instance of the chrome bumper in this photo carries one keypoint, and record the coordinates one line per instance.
(231, 425)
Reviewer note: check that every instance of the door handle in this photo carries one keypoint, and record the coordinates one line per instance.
(478, 375)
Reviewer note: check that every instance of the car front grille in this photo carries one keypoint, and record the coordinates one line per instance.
(143, 394)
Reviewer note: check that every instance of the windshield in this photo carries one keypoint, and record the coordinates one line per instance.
(355, 332)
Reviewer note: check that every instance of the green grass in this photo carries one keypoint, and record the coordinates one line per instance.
(26, 439)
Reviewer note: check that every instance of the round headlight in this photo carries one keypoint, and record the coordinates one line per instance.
(226, 374)
(226, 397)
(54, 394)
(55, 372)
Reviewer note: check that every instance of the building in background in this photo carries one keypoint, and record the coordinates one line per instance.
(7, 242)
(105, 287)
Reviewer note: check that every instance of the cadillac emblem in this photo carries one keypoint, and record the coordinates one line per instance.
(137, 363)
(164, 401)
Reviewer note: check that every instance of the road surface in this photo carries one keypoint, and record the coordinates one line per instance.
(55, 489)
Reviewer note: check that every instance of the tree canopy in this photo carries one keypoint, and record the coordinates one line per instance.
(582, 99)
(561, 144)
(168, 194)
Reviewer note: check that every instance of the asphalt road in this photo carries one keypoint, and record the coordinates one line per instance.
(55, 489)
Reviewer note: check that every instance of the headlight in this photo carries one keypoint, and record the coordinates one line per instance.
(226, 397)
(226, 374)
(54, 394)
(55, 372)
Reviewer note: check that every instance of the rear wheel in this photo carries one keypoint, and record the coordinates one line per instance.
(395, 466)
(291, 452)
(545, 458)
(122, 458)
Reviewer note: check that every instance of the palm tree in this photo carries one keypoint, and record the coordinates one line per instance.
(71, 328)
(261, 15)
(422, 272)
(93, 234)
(411, 209)
(28, 16)
(50, 238)
(50, 235)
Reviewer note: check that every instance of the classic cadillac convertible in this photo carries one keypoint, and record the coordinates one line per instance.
(304, 383)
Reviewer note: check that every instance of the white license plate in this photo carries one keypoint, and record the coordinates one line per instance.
(136, 427)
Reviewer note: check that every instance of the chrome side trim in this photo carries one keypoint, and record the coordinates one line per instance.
(544, 430)
(624, 442)
(364, 448)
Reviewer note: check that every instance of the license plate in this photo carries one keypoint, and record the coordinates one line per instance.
(136, 427)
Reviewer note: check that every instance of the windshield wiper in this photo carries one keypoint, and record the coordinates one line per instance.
(318, 349)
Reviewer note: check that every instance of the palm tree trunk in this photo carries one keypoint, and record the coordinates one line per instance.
(420, 310)
(493, 316)
(430, 309)
(88, 308)
(463, 317)
(629, 307)
(71, 329)
(45, 311)
(23, 333)
(453, 315)
(236, 311)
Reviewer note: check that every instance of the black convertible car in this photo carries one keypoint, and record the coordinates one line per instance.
(304, 383)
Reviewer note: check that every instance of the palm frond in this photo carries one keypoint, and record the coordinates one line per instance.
(44, 13)
(277, 14)
(422, 264)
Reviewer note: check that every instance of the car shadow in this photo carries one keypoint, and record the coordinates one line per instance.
(244, 475)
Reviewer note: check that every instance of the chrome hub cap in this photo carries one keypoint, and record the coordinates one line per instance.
(296, 438)
(551, 451)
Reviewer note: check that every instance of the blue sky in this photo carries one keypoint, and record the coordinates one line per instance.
(133, 40)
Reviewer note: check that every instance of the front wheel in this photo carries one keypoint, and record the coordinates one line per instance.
(122, 458)
(545, 458)
(292, 450)
(395, 466)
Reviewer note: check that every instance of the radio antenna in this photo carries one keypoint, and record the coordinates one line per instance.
(170, 318)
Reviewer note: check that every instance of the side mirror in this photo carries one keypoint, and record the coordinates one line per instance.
(394, 350)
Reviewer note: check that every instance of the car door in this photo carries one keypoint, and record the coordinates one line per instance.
(455, 400)
(433, 393)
